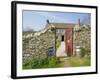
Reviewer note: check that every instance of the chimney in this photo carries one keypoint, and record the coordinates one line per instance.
(79, 22)
(48, 21)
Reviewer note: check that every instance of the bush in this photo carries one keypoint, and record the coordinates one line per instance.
(44, 61)
(41, 63)
(84, 52)
(53, 62)
(34, 63)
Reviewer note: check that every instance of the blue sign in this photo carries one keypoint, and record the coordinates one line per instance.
(50, 51)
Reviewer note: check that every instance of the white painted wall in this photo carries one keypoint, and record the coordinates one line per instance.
(5, 40)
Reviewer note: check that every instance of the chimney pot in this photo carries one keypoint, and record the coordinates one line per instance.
(79, 22)
(48, 21)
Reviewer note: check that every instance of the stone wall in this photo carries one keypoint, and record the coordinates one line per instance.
(82, 38)
(36, 46)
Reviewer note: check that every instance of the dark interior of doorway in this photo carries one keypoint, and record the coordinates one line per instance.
(62, 38)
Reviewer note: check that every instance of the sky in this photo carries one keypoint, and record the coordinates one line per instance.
(36, 20)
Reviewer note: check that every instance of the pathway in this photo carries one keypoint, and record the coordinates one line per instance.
(61, 50)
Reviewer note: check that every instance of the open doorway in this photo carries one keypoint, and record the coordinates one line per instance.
(62, 38)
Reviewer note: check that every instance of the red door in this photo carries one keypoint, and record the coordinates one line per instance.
(69, 41)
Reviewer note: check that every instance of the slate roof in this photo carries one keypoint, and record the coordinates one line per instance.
(63, 25)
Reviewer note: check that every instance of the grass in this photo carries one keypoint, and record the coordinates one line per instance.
(53, 62)
(41, 63)
(75, 61)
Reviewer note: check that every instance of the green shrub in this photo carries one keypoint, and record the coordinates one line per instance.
(34, 63)
(53, 62)
(85, 52)
(44, 61)
(41, 63)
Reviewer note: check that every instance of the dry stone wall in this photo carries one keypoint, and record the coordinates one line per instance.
(82, 38)
(37, 46)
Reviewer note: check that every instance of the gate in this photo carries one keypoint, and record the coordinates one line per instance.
(69, 41)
